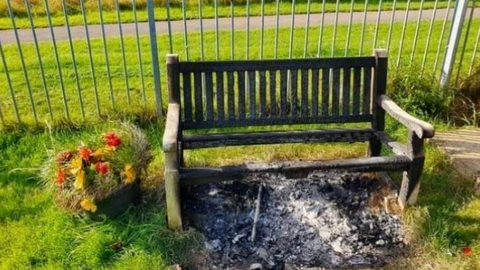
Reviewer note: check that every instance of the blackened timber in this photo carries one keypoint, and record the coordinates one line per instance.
(255, 138)
(192, 176)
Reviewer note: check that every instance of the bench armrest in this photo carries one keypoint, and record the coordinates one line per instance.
(421, 128)
(170, 136)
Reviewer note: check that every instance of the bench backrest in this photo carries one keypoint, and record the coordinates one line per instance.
(275, 92)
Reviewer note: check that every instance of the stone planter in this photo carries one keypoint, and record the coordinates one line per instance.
(118, 202)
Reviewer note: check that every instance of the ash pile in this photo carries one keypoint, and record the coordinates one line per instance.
(328, 220)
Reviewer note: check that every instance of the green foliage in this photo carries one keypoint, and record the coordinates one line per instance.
(420, 94)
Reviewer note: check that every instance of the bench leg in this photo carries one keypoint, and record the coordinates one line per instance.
(374, 147)
(172, 191)
(411, 178)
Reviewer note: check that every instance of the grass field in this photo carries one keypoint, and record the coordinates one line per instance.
(120, 106)
(35, 234)
(192, 11)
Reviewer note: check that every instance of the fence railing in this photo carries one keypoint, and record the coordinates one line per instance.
(76, 70)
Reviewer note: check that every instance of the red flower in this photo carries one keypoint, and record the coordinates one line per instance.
(85, 153)
(60, 177)
(112, 139)
(467, 251)
(101, 167)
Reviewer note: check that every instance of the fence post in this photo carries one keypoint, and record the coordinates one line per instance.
(155, 64)
(453, 40)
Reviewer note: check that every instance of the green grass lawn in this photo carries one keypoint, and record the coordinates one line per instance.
(36, 234)
(192, 11)
(120, 107)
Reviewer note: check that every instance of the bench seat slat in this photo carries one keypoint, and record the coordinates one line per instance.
(215, 174)
(255, 138)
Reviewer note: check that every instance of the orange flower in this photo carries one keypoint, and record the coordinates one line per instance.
(467, 251)
(112, 139)
(60, 177)
(85, 153)
(128, 174)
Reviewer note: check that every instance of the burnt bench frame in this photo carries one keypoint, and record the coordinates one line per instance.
(340, 103)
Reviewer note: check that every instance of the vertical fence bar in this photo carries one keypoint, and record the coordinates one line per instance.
(22, 60)
(469, 24)
(169, 26)
(377, 25)
(477, 40)
(334, 38)
(292, 29)
(453, 40)
(320, 34)
(362, 37)
(40, 63)
(392, 20)
(417, 31)
(444, 26)
(122, 47)
(154, 50)
(307, 28)
(185, 29)
(349, 31)
(404, 28)
(217, 37)
(57, 59)
(9, 82)
(74, 60)
(262, 26)
(247, 34)
(232, 43)
(90, 56)
(139, 53)
(277, 13)
(429, 35)
(200, 21)
(105, 52)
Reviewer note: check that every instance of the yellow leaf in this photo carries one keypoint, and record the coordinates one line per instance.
(103, 151)
(77, 165)
(80, 180)
(88, 205)
(129, 174)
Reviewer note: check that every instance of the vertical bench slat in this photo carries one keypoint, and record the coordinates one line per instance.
(273, 95)
(346, 91)
(198, 97)
(367, 90)
(187, 97)
(304, 78)
(209, 95)
(294, 94)
(252, 93)
(315, 81)
(263, 94)
(283, 92)
(231, 96)
(336, 91)
(241, 95)
(325, 90)
(356, 90)
(220, 97)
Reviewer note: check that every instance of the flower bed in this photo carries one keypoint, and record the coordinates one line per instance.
(100, 176)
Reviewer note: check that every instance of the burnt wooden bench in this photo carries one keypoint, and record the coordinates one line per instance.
(214, 95)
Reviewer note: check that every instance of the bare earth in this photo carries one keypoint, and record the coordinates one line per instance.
(463, 147)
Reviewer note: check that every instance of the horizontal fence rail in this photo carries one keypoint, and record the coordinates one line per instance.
(92, 60)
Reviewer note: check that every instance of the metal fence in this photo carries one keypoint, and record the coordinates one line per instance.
(91, 63)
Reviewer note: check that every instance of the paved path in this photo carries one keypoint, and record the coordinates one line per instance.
(78, 32)
(463, 147)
